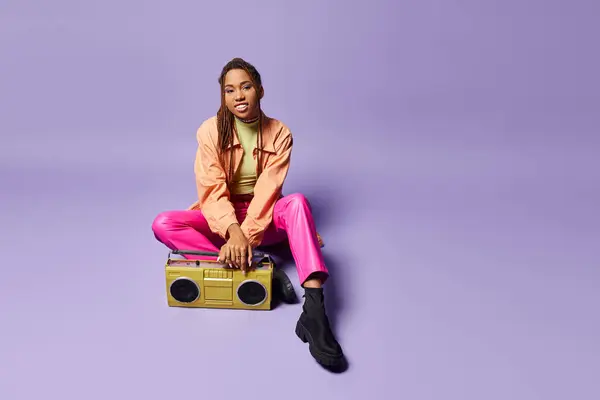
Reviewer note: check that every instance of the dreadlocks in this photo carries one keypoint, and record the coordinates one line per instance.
(225, 119)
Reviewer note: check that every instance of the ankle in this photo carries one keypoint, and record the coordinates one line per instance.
(314, 280)
(312, 284)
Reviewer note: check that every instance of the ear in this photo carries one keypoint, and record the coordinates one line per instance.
(261, 92)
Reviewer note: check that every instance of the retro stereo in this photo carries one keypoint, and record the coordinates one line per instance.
(210, 284)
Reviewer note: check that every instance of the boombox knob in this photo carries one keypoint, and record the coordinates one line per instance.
(283, 287)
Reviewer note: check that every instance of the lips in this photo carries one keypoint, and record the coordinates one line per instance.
(241, 107)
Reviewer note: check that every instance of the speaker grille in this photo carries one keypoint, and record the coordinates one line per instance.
(252, 293)
(185, 290)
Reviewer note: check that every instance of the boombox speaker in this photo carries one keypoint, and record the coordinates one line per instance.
(210, 284)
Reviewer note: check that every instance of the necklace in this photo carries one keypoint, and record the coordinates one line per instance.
(249, 121)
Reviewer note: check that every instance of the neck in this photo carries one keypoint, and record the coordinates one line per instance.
(249, 120)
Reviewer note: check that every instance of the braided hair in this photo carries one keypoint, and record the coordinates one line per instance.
(225, 118)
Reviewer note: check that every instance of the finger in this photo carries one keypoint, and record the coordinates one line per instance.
(221, 257)
(249, 255)
(238, 257)
(242, 258)
(234, 257)
(228, 256)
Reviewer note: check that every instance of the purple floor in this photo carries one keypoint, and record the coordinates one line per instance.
(459, 211)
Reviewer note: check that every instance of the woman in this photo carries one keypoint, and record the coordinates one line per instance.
(242, 161)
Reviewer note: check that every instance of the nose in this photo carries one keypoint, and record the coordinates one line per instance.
(239, 95)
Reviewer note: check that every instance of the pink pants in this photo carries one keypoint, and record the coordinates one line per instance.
(292, 220)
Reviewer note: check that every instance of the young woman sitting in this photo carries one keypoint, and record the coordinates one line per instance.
(242, 160)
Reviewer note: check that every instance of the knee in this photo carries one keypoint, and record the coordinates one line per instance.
(162, 223)
(298, 201)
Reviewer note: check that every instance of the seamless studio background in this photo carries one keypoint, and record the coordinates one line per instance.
(449, 150)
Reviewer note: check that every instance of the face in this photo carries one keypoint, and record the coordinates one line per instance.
(241, 96)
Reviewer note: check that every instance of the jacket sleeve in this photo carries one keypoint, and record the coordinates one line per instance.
(213, 193)
(267, 191)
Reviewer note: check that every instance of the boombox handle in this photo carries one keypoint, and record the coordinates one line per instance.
(255, 253)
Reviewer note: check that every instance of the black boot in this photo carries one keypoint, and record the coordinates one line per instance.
(313, 328)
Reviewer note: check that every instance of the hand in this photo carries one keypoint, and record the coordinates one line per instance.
(237, 252)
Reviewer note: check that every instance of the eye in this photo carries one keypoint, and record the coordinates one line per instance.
(247, 87)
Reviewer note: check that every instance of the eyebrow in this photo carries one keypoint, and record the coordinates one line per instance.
(243, 83)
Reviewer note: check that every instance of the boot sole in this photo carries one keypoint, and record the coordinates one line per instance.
(326, 360)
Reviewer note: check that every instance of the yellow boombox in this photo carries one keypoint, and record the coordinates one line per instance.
(210, 284)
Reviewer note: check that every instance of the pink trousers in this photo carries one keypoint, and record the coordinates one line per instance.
(292, 220)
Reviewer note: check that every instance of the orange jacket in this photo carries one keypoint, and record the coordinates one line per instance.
(213, 194)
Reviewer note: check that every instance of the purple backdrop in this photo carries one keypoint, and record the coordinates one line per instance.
(450, 150)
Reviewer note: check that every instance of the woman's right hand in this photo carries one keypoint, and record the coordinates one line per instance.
(237, 252)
